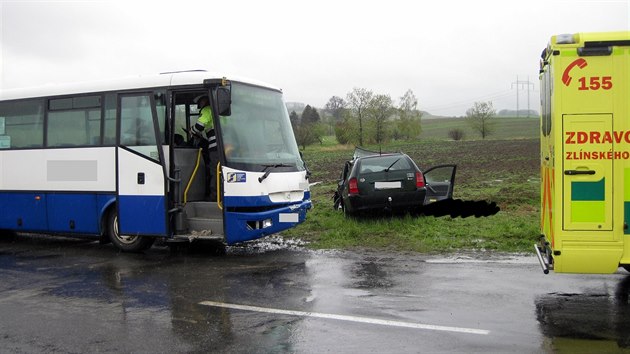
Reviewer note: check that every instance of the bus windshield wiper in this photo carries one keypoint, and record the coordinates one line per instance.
(268, 168)
(392, 165)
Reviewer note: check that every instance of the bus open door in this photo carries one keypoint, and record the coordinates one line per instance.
(141, 204)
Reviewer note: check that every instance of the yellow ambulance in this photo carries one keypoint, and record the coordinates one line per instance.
(585, 153)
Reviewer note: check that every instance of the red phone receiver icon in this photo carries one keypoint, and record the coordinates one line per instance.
(581, 63)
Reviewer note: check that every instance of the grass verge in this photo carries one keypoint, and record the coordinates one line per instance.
(513, 229)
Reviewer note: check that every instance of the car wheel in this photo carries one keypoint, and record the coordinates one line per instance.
(345, 211)
(337, 201)
(125, 243)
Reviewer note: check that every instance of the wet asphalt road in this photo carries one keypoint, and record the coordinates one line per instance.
(73, 296)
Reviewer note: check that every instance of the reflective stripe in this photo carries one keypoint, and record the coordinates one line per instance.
(212, 139)
(198, 128)
(212, 142)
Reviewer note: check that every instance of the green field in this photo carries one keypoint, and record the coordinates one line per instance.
(506, 128)
(503, 169)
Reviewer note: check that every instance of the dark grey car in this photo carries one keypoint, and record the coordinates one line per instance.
(390, 182)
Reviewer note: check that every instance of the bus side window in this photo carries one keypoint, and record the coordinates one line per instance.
(74, 121)
(23, 124)
(136, 125)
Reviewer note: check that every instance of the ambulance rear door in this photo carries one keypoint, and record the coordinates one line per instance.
(588, 152)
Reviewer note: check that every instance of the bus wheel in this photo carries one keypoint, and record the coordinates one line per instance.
(123, 242)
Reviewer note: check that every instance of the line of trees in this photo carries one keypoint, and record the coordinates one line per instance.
(368, 118)
(362, 118)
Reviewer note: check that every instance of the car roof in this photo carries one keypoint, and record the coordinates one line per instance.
(381, 156)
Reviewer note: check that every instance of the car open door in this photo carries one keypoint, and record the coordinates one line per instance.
(440, 181)
(337, 197)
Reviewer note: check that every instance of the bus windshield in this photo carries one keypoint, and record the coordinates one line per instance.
(258, 133)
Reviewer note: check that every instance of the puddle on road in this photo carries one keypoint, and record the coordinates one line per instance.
(267, 244)
(484, 257)
(593, 322)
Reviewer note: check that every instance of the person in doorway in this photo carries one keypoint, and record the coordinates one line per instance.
(205, 122)
(204, 130)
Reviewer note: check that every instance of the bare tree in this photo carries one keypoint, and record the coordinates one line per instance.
(481, 118)
(408, 102)
(335, 107)
(380, 109)
(358, 101)
(409, 126)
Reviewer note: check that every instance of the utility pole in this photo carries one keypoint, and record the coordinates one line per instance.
(519, 85)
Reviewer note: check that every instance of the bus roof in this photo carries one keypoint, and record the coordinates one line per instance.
(169, 79)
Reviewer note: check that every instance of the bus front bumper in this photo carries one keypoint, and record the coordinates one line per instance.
(247, 226)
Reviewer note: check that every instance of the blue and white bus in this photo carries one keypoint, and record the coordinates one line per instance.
(116, 160)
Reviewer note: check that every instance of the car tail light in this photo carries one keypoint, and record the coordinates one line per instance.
(419, 180)
(353, 186)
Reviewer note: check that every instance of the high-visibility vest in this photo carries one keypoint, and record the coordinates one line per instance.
(205, 122)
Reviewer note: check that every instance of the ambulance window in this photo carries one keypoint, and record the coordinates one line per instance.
(545, 104)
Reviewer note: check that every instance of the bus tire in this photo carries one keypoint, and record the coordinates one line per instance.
(7, 235)
(123, 242)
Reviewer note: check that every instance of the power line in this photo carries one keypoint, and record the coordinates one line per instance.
(490, 96)
(519, 84)
(497, 95)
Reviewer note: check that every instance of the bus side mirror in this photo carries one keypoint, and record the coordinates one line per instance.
(224, 101)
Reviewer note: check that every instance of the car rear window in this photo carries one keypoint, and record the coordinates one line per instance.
(378, 164)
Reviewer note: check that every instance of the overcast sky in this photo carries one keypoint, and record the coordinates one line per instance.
(449, 53)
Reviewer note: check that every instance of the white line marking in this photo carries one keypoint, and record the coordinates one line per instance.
(347, 318)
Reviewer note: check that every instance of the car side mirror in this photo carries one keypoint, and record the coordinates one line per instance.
(224, 101)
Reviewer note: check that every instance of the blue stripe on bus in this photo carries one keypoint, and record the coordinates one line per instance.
(70, 212)
(53, 211)
(142, 214)
(23, 211)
